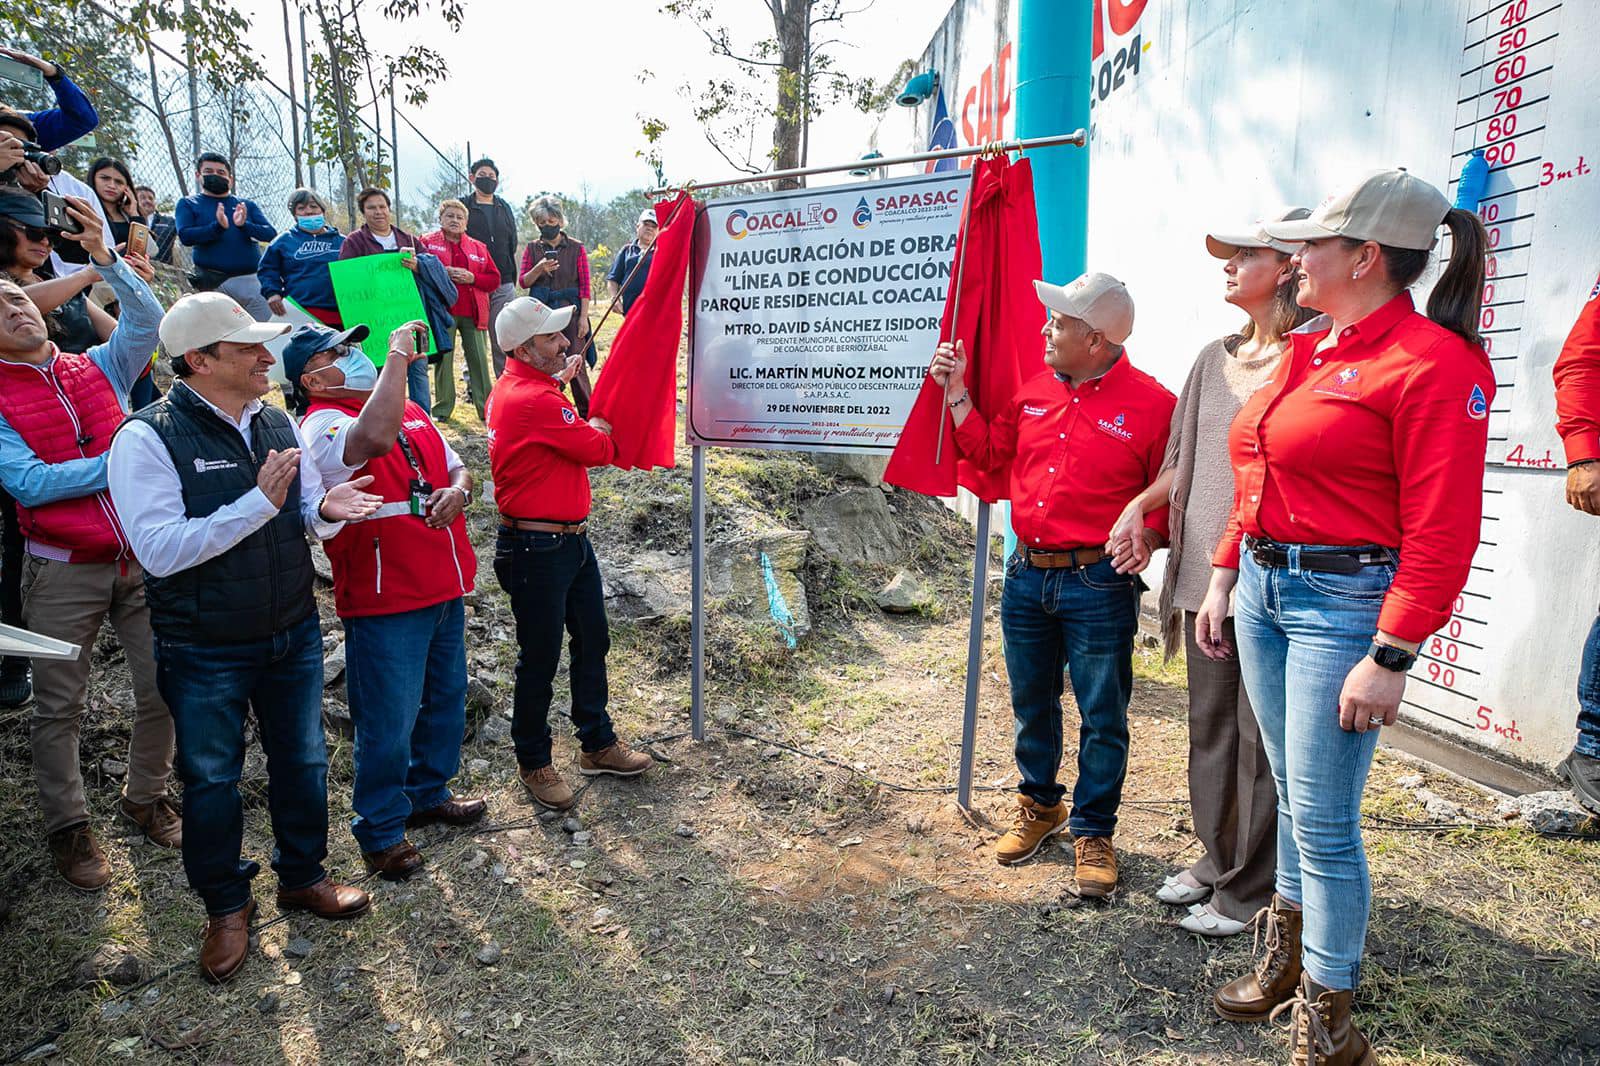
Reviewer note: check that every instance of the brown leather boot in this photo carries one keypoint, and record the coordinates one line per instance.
(78, 858)
(618, 760)
(161, 821)
(1253, 997)
(225, 943)
(547, 788)
(1321, 1032)
(325, 899)
(395, 862)
(453, 811)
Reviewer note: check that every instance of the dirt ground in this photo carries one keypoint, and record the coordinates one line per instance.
(797, 889)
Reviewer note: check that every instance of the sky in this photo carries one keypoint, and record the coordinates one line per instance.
(552, 91)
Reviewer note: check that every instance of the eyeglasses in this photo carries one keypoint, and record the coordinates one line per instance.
(339, 352)
(33, 233)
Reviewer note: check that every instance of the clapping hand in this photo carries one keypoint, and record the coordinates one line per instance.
(277, 473)
(241, 213)
(348, 503)
(222, 216)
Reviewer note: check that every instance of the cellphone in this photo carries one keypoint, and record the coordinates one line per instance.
(20, 73)
(550, 253)
(56, 214)
(138, 239)
(419, 342)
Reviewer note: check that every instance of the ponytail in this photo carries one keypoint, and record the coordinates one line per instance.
(1457, 298)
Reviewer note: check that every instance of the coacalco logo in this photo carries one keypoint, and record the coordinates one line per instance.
(863, 215)
(742, 223)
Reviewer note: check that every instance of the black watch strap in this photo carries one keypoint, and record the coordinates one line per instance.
(1391, 658)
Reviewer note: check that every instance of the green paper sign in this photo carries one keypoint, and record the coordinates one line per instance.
(379, 292)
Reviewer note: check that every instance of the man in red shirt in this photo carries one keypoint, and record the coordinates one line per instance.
(540, 452)
(1577, 376)
(1077, 440)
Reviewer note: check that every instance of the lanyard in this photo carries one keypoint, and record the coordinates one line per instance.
(411, 457)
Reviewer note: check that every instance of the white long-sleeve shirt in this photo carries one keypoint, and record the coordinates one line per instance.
(148, 496)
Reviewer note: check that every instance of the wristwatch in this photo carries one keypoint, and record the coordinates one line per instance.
(1391, 658)
(466, 497)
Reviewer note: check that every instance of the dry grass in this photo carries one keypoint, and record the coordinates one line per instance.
(744, 904)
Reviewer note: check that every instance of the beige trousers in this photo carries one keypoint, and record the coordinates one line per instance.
(69, 601)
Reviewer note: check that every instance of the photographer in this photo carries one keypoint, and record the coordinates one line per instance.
(39, 172)
(222, 230)
(71, 118)
(399, 582)
(58, 410)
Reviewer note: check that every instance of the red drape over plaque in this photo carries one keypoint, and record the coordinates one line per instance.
(1000, 322)
(638, 387)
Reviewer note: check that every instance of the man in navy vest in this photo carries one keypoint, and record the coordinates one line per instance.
(216, 495)
(399, 582)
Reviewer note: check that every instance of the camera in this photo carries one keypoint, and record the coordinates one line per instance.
(48, 162)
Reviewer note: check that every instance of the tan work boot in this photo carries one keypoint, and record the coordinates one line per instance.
(161, 821)
(78, 857)
(547, 788)
(618, 759)
(1034, 824)
(1097, 866)
(1253, 997)
(1321, 1033)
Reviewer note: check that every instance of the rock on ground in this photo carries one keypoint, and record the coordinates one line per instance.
(1545, 812)
(855, 527)
(110, 962)
(904, 594)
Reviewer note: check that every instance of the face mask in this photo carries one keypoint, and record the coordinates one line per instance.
(360, 375)
(486, 184)
(311, 223)
(549, 233)
(215, 184)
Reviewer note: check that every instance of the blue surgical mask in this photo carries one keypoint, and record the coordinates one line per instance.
(360, 375)
(311, 223)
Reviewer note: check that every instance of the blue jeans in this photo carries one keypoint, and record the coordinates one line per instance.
(553, 580)
(1300, 634)
(417, 384)
(1082, 621)
(407, 678)
(210, 689)
(1589, 696)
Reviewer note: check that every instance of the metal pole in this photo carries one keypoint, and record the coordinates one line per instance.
(1077, 137)
(697, 607)
(394, 147)
(194, 85)
(305, 80)
(969, 713)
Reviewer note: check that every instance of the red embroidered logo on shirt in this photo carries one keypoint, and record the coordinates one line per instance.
(568, 415)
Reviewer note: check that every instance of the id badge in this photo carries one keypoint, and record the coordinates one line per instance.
(420, 491)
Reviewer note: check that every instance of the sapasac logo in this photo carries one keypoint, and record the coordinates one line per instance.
(742, 223)
(568, 415)
(1116, 427)
(1477, 404)
(862, 218)
(911, 202)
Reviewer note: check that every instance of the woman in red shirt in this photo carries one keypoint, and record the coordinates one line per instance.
(1358, 473)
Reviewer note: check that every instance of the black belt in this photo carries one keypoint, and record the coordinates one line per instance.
(1268, 553)
(540, 525)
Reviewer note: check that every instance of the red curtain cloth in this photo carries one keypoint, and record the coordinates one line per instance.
(638, 387)
(999, 326)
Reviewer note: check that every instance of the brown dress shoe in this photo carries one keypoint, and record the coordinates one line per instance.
(225, 942)
(161, 821)
(618, 759)
(453, 811)
(395, 862)
(547, 788)
(326, 899)
(1097, 866)
(1321, 1032)
(1253, 997)
(78, 857)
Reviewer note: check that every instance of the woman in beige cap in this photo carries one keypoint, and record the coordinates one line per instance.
(1358, 471)
(1231, 793)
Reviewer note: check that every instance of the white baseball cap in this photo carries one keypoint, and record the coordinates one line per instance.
(203, 318)
(526, 317)
(1226, 245)
(1098, 299)
(1392, 207)
(649, 215)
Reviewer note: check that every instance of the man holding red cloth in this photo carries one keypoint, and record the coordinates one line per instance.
(1076, 441)
(540, 452)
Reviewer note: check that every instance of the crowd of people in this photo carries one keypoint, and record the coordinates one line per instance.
(1316, 483)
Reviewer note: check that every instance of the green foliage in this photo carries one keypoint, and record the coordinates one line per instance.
(96, 56)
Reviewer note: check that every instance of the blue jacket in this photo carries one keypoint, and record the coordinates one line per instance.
(438, 297)
(230, 249)
(71, 118)
(295, 264)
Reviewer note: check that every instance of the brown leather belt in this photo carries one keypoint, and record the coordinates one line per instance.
(535, 525)
(1064, 558)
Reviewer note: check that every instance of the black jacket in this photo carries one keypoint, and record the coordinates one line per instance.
(496, 226)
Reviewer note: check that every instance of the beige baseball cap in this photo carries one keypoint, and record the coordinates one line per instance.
(1098, 299)
(526, 317)
(1226, 245)
(204, 318)
(1393, 207)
